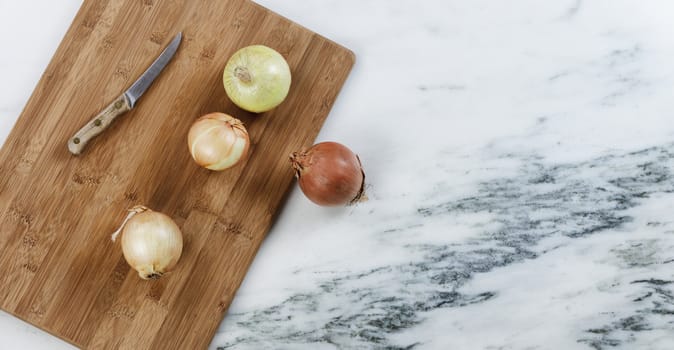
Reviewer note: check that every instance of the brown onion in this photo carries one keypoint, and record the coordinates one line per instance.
(329, 174)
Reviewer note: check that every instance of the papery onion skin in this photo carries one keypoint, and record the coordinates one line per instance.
(151, 243)
(257, 78)
(329, 174)
(218, 141)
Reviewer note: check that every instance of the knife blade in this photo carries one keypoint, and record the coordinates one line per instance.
(125, 102)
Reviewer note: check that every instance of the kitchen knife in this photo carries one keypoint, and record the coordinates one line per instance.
(124, 102)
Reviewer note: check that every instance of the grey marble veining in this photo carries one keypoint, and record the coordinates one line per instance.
(539, 210)
(519, 166)
(521, 154)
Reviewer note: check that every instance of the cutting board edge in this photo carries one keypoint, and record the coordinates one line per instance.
(351, 53)
(62, 49)
(36, 325)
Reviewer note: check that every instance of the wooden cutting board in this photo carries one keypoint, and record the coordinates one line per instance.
(59, 269)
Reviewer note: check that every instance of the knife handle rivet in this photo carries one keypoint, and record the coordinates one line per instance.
(97, 122)
(76, 140)
(118, 104)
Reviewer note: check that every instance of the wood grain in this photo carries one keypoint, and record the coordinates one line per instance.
(60, 271)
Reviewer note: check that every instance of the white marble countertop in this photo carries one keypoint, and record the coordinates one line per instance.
(521, 180)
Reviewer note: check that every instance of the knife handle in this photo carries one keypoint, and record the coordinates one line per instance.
(99, 123)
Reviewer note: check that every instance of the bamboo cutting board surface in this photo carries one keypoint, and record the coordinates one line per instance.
(59, 269)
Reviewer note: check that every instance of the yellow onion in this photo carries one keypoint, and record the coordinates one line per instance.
(257, 78)
(329, 174)
(151, 242)
(218, 141)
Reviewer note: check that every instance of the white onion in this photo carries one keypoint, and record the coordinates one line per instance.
(218, 141)
(151, 242)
